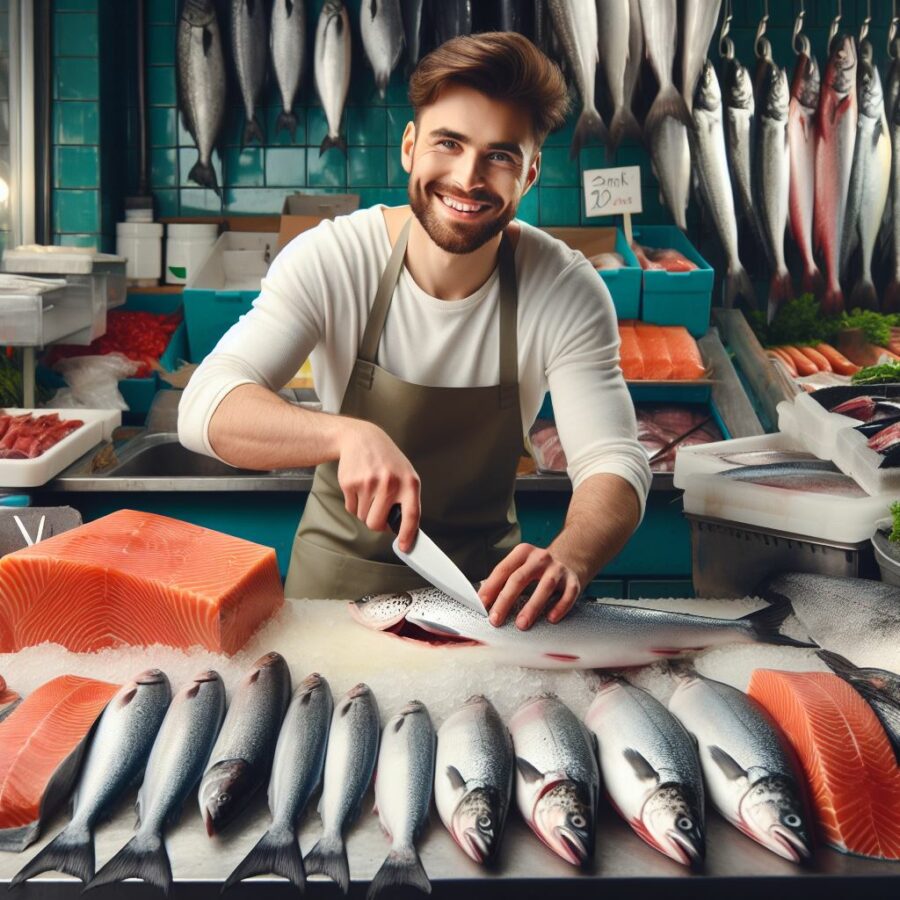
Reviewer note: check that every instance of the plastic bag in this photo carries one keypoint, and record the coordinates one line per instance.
(93, 382)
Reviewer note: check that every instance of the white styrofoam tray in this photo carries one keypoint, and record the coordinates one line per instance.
(854, 457)
(34, 259)
(811, 425)
(99, 425)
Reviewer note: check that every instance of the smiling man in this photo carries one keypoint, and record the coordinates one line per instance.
(434, 331)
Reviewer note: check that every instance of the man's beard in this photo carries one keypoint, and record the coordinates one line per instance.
(451, 239)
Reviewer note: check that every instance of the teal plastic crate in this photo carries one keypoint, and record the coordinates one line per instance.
(624, 284)
(676, 298)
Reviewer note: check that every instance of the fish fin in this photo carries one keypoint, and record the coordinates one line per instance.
(275, 853)
(739, 285)
(329, 858)
(781, 289)
(205, 176)
(381, 82)
(528, 771)
(864, 295)
(832, 301)
(402, 868)
(668, 102)
(891, 299)
(71, 852)
(640, 766)
(252, 132)
(142, 857)
(328, 142)
(457, 782)
(837, 663)
(287, 121)
(813, 282)
(589, 123)
(764, 625)
(623, 124)
(730, 769)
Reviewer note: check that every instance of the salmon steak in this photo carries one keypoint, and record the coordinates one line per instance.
(137, 578)
(846, 756)
(41, 745)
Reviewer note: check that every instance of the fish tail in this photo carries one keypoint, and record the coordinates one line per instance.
(668, 102)
(329, 857)
(589, 123)
(838, 664)
(252, 132)
(738, 285)
(891, 300)
(71, 852)
(205, 175)
(863, 295)
(142, 857)
(276, 853)
(402, 868)
(832, 301)
(623, 124)
(781, 289)
(287, 121)
(764, 625)
(329, 141)
(813, 282)
(381, 82)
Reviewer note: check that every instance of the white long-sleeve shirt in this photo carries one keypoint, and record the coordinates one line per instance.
(315, 302)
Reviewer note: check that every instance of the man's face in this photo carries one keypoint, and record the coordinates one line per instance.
(470, 161)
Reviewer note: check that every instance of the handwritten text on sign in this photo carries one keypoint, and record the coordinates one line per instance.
(611, 192)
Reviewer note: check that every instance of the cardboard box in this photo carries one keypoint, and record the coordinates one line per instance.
(303, 211)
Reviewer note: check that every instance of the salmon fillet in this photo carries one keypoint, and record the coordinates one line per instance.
(655, 349)
(41, 745)
(845, 753)
(137, 578)
(687, 364)
(630, 353)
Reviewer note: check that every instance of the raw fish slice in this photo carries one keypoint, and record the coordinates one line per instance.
(845, 754)
(687, 363)
(41, 745)
(137, 578)
(630, 353)
(657, 359)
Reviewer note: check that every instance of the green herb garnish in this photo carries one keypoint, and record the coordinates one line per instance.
(885, 373)
(895, 531)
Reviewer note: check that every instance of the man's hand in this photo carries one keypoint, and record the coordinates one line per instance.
(524, 565)
(374, 475)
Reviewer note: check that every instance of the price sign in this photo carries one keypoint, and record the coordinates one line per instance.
(612, 192)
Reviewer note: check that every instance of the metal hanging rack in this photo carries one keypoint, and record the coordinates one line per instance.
(762, 47)
(867, 21)
(799, 41)
(726, 44)
(835, 24)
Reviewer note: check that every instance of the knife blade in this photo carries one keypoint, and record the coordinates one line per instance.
(435, 566)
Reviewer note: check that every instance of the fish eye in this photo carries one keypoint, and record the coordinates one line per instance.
(792, 820)
(684, 823)
(578, 821)
(484, 823)
(222, 799)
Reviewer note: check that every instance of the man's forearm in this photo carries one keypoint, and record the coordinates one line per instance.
(602, 516)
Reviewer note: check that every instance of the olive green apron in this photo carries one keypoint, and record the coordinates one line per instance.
(464, 443)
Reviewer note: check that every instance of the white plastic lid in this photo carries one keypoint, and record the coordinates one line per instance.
(140, 214)
(139, 229)
(194, 231)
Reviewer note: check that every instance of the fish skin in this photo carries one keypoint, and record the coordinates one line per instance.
(115, 757)
(698, 25)
(201, 84)
(659, 19)
(818, 475)
(835, 140)
(593, 635)
(332, 68)
(869, 181)
(614, 30)
(349, 766)
(381, 25)
(403, 796)
(287, 46)
(805, 88)
(766, 457)
(411, 11)
(707, 140)
(773, 176)
(450, 19)
(249, 39)
(670, 155)
(240, 761)
(474, 777)
(891, 301)
(515, 16)
(176, 762)
(635, 53)
(557, 777)
(650, 769)
(751, 773)
(575, 24)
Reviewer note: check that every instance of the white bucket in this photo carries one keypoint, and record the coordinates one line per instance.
(187, 248)
(141, 244)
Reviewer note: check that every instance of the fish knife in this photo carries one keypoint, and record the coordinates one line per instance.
(435, 566)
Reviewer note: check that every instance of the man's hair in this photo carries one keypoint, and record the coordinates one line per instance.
(503, 65)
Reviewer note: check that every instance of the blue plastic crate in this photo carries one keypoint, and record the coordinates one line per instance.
(624, 284)
(676, 298)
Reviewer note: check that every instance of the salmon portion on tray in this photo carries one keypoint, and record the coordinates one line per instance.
(137, 578)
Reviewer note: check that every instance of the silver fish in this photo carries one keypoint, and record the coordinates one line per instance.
(575, 24)
(802, 146)
(473, 777)
(296, 773)
(287, 44)
(813, 476)
(614, 28)
(514, 16)
(242, 756)
(412, 31)
(635, 53)
(557, 778)
(403, 796)
(117, 753)
(710, 163)
(891, 301)
(201, 84)
(248, 45)
(670, 155)
(697, 27)
(660, 24)
(773, 181)
(869, 180)
(381, 24)
(450, 19)
(766, 457)
(176, 762)
(748, 766)
(650, 769)
(332, 68)
(349, 765)
(593, 635)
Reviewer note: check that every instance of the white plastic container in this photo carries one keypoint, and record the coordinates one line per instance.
(38, 311)
(141, 244)
(810, 424)
(187, 249)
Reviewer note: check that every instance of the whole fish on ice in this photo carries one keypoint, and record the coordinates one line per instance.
(332, 68)
(381, 25)
(815, 476)
(287, 45)
(248, 46)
